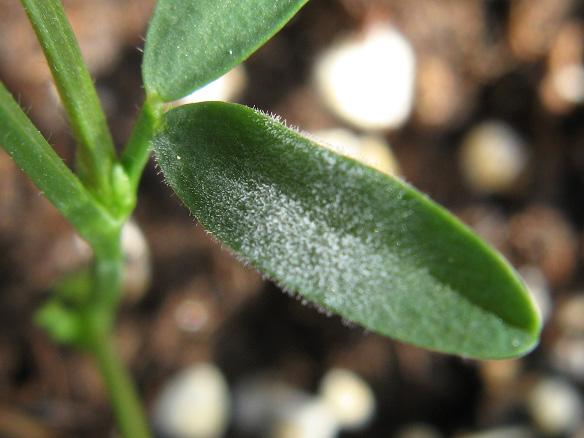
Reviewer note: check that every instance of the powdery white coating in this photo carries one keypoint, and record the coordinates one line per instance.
(299, 233)
(336, 269)
(340, 234)
(320, 257)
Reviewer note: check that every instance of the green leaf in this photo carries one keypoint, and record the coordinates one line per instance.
(31, 152)
(192, 42)
(343, 235)
(61, 323)
(95, 147)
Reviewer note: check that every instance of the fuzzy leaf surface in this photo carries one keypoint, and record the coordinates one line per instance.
(192, 42)
(349, 238)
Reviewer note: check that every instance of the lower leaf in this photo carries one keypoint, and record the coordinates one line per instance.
(345, 236)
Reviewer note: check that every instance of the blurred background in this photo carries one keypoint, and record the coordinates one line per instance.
(479, 104)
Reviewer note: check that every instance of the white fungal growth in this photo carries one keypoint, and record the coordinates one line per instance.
(338, 233)
(320, 258)
(340, 266)
(337, 269)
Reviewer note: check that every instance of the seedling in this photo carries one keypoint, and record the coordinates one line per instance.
(351, 239)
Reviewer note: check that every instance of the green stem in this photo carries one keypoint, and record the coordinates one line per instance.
(96, 152)
(108, 263)
(97, 320)
(96, 203)
(127, 407)
(138, 149)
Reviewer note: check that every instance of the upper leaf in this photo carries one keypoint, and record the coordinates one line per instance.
(192, 42)
(351, 239)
